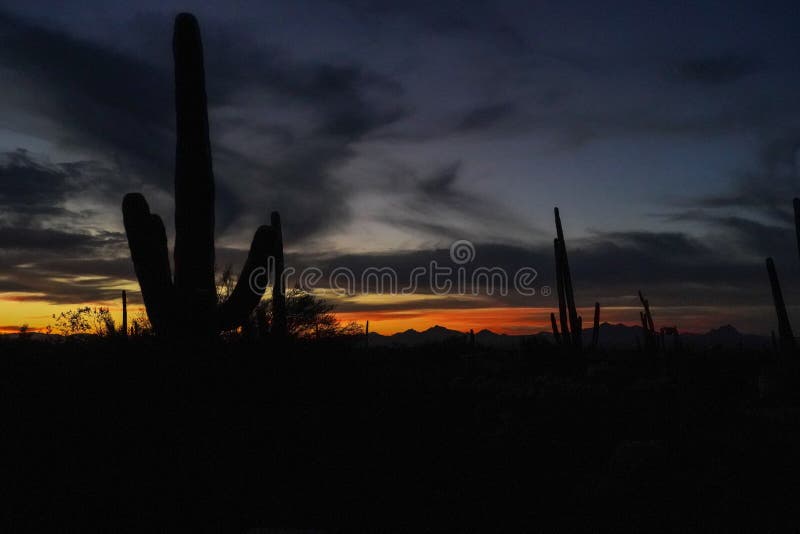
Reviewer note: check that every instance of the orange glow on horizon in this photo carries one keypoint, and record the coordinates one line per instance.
(501, 320)
(18, 308)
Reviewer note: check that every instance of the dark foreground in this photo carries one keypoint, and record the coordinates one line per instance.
(330, 437)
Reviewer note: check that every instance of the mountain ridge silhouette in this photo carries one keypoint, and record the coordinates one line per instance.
(611, 336)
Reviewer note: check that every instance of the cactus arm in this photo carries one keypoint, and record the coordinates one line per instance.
(596, 325)
(147, 240)
(279, 326)
(194, 181)
(250, 285)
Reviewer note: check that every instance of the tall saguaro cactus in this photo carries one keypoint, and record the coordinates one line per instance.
(785, 334)
(565, 293)
(186, 304)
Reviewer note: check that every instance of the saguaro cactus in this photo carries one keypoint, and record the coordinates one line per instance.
(596, 325)
(564, 276)
(562, 303)
(785, 334)
(187, 305)
(648, 327)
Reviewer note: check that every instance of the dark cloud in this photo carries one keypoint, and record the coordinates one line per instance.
(768, 188)
(472, 20)
(674, 269)
(56, 241)
(27, 185)
(484, 117)
(122, 105)
(718, 70)
(100, 97)
(439, 204)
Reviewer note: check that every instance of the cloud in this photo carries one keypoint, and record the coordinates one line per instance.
(769, 188)
(121, 107)
(440, 204)
(674, 269)
(485, 116)
(718, 70)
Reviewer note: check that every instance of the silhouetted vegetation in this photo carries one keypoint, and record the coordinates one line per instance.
(85, 320)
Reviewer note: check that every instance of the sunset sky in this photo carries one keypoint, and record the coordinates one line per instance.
(668, 134)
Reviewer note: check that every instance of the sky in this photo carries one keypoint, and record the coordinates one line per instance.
(667, 133)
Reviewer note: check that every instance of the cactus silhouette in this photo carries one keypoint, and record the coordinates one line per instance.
(186, 305)
(649, 329)
(566, 296)
(785, 334)
(553, 323)
(124, 313)
(564, 338)
(569, 296)
(796, 203)
(596, 325)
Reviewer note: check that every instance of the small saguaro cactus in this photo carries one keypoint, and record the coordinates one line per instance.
(785, 334)
(186, 305)
(596, 325)
(649, 329)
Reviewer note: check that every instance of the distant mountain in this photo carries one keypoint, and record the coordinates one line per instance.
(611, 336)
(411, 337)
(727, 336)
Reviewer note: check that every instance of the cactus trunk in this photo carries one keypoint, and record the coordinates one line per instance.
(554, 325)
(124, 313)
(562, 302)
(596, 325)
